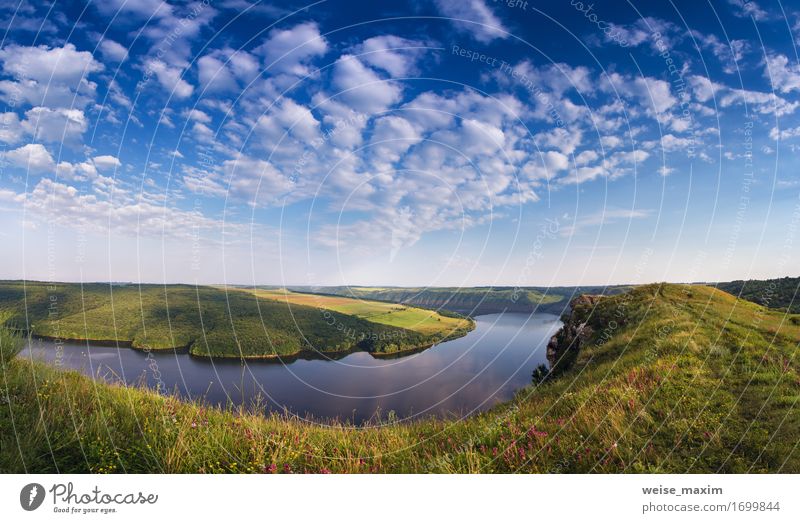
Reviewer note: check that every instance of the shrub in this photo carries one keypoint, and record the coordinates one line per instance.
(540, 374)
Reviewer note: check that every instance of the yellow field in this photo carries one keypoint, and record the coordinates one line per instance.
(397, 315)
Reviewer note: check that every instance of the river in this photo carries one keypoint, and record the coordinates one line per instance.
(455, 378)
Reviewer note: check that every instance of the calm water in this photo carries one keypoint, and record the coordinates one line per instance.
(456, 377)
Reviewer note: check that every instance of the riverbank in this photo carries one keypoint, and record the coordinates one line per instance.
(219, 322)
(688, 382)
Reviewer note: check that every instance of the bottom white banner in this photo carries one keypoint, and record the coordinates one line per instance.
(400, 498)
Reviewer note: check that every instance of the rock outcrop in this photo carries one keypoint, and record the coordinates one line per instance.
(564, 346)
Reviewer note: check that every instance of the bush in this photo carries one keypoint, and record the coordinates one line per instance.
(540, 374)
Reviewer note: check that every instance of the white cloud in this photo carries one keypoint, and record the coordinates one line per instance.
(393, 136)
(45, 64)
(291, 50)
(395, 55)
(747, 9)
(227, 70)
(605, 217)
(729, 54)
(53, 77)
(197, 115)
(784, 76)
(106, 162)
(214, 75)
(255, 181)
(486, 26)
(169, 77)
(82, 171)
(55, 125)
(653, 95)
(565, 141)
(784, 134)
(175, 29)
(361, 88)
(32, 157)
(642, 31)
(125, 213)
(10, 128)
(113, 51)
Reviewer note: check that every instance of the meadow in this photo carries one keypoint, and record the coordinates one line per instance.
(208, 321)
(425, 321)
(674, 378)
(472, 300)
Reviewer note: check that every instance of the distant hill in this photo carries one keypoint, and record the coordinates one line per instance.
(212, 321)
(778, 293)
(473, 300)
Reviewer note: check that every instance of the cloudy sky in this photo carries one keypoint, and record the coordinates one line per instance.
(424, 142)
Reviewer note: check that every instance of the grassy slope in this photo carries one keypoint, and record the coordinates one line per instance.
(472, 300)
(208, 320)
(689, 379)
(425, 321)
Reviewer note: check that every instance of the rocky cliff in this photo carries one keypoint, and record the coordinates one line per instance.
(564, 346)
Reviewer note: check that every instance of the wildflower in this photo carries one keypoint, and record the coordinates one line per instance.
(325, 471)
(271, 468)
(194, 425)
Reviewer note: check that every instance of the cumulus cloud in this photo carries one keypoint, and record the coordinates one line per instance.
(227, 70)
(393, 54)
(361, 88)
(113, 51)
(473, 17)
(32, 157)
(48, 76)
(729, 54)
(55, 125)
(169, 77)
(106, 162)
(45, 64)
(10, 128)
(747, 9)
(291, 50)
(125, 213)
(783, 75)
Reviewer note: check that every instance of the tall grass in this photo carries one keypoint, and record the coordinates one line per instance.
(689, 380)
(11, 344)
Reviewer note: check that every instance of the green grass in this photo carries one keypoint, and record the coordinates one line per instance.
(207, 321)
(471, 300)
(423, 321)
(674, 379)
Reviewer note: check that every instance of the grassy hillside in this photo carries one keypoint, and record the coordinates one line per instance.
(208, 321)
(670, 378)
(778, 293)
(472, 300)
(425, 321)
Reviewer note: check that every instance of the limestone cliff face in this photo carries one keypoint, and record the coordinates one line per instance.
(564, 346)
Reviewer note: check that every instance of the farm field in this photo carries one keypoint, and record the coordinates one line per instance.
(396, 315)
(212, 321)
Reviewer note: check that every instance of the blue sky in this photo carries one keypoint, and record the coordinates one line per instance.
(430, 142)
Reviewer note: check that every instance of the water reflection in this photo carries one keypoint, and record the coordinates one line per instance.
(458, 377)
